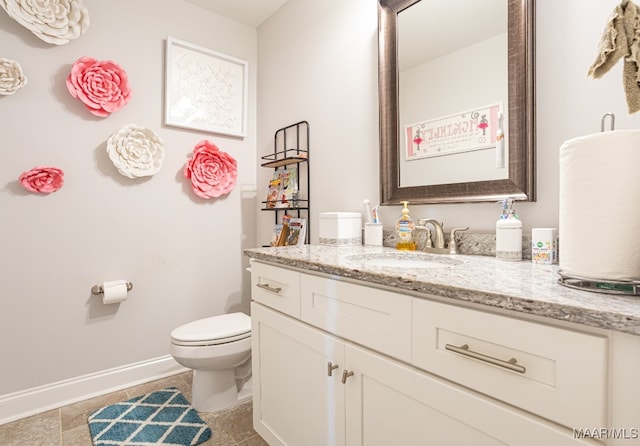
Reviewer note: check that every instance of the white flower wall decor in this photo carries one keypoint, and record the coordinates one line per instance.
(12, 78)
(53, 21)
(135, 151)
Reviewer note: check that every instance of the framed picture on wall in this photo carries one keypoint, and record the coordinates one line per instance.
(205, 90)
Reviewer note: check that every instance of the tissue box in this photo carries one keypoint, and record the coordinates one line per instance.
(340, 228)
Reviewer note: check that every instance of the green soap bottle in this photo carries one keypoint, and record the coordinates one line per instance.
(404, 230)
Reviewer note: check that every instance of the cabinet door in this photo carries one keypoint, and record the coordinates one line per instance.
(388, 403)
(625, 401)
(295, 401)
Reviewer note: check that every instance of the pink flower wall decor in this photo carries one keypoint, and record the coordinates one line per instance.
(102, 86)
(212, 172)
(42, 179)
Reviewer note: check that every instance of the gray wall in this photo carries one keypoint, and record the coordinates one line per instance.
(182, 253)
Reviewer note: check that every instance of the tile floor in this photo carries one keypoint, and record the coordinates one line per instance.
(67, 426)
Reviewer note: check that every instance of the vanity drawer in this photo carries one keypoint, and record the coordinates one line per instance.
(373, 318)
(556, 373)
(276, 287)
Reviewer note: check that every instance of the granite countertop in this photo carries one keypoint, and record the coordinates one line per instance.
(522, 287)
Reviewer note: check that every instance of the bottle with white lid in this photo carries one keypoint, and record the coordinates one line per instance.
(509, 233)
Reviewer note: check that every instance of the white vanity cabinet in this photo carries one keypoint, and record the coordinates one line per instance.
(298, 394)
(355, 365)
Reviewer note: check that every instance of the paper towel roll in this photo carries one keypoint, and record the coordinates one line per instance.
(599, 213)
(114, 291)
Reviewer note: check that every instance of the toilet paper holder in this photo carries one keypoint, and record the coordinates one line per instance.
(97, 289)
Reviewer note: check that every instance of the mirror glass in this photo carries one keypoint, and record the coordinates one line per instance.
(456, 100)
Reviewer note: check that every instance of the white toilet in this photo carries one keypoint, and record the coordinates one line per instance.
(218, 349)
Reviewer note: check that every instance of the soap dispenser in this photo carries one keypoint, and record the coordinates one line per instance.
(404, 230)
(508, 233)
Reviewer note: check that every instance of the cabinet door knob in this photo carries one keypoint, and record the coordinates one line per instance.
(345, 374)
(266, 286)
(331, 367)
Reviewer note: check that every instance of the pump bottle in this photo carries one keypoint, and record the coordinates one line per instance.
(404, 230)
(508, 233)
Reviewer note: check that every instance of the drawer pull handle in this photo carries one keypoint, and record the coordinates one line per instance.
(511, 364)
(266, 286)
(345, 375)
(330, 368)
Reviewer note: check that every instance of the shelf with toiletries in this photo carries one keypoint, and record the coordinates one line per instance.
(303, 205)
(285, 158)
(288, 193)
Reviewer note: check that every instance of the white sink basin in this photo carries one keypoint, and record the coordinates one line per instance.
(404, 260)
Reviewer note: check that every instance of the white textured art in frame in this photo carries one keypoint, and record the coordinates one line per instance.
(205, 90)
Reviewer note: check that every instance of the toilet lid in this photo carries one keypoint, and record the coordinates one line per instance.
(224, 328)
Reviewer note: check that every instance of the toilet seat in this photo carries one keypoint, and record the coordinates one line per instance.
(213, 330)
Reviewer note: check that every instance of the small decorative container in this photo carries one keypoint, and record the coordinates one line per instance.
(544, 245)
(340, 228)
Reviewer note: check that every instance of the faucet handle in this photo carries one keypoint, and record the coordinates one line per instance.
(453, 248)
(428, 242)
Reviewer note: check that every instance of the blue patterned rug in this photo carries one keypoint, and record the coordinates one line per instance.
(163, 417)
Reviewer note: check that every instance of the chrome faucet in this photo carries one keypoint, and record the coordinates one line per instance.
(437, 245)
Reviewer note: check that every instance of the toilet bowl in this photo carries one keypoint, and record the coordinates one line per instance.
(218, 349)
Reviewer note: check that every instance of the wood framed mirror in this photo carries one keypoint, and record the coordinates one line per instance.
(518, 176)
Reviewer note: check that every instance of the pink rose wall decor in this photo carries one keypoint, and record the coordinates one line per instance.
(212, 172)
(42, 179)
(102, 86)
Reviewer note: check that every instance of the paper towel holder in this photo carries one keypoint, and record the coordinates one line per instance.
(627, 288)
(613, 121)
(98, 289)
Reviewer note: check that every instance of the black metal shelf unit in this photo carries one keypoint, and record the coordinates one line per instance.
(291, 147)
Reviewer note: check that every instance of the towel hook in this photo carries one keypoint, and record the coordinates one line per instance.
(604, 117)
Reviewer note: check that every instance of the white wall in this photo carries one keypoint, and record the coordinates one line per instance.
(183, 254)
(318, 62)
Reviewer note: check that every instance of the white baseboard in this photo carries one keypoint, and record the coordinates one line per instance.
(29, 402)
